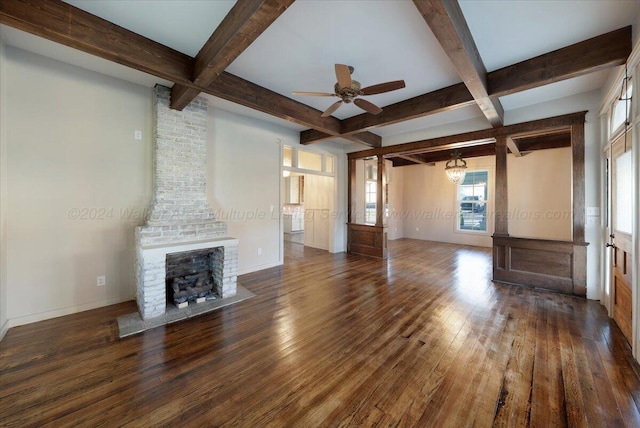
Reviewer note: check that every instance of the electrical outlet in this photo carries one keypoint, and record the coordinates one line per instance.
(417, 229)
(137, 135)
(101, 280)
(259, 251)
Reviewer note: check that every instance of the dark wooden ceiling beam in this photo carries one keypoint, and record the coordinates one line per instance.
(447, 23)
(476, 138)
(527, 145)
(443, 155)
(244, 23)
(544, 142)
(604, 51)
(65, 24)
(598, 53)
(512, 145)
(240, 91)
(444, 99)
(309, 136)
(414, 158)
(398, 161)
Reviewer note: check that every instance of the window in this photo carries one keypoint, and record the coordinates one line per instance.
(308, 160)
(472, 202)
(624, 193)
(621, 110)
(294, 159)
(370, 189)
(287, 156)
(328, 163)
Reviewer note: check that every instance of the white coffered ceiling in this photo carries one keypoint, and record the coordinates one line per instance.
(383, 40)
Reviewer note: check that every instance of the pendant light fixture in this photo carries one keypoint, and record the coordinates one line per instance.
(456, 168)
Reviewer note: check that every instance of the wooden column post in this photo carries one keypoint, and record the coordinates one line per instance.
(351, 187)
(578, 189)
(501, 256)
(577, 151)
(501, 196)
(380, 187)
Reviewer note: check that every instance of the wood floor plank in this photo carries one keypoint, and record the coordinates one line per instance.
(421, 339)
(515, 405)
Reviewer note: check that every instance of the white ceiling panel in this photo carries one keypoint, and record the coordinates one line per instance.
(179, 24)
(554, 91)
(452, 116)
(384, 40)
(509, 31)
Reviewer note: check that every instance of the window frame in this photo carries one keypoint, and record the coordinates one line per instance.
(616, 130)
(459, 199)
(370, 189)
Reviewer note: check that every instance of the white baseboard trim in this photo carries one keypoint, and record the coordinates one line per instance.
(42, 316)
(260, 267)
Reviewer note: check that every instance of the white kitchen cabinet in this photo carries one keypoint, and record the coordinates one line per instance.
(293, 222)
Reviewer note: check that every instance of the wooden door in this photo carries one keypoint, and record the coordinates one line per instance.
(620, 244)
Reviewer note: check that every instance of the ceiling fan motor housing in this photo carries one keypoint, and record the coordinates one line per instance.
(348, 94)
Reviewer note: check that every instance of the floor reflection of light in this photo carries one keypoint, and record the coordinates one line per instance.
(286, 336)
(471, 277)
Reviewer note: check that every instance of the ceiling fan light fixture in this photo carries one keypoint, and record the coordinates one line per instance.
(456, 168)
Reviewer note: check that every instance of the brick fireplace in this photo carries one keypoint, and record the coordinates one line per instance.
(180, 219)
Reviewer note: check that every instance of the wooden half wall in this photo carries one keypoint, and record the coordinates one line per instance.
(553, 265)
(368, 239)
(559, 266)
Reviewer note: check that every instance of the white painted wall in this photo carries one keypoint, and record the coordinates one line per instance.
(73, 168)
(243, 184)
(3, 200)
(395, 224)
(539, 199)
(539, 192)
(430, 204)
(68, 143)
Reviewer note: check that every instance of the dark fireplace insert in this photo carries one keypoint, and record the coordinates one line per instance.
(194, 275)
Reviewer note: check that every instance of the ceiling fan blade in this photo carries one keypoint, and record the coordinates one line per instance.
(313, 94)
(383, 87)
(367, 106)
(333, 107)
(343, 75)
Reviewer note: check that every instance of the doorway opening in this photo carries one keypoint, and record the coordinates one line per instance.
(309, 192)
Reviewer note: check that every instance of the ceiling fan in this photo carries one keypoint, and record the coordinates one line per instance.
(349, 90)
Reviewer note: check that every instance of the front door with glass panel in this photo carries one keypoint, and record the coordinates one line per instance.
(620, 243)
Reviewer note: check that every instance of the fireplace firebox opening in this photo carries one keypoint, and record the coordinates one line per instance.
(194, 276)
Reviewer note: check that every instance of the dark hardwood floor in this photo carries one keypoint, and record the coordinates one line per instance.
(422, 339)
